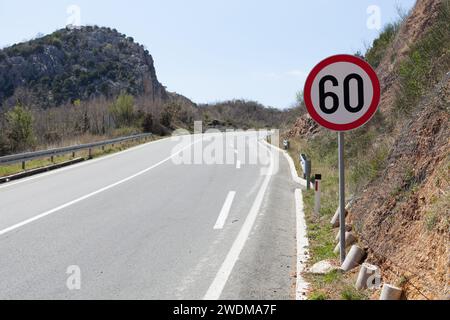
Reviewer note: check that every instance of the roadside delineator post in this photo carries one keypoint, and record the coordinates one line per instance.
(286, 144)
(317, 183)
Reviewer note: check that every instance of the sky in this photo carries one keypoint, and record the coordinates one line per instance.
(211, 50)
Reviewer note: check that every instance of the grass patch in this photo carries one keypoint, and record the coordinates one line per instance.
(318, 295)
(350, 293)
(427, 61)
(376, 53)
(323, 153)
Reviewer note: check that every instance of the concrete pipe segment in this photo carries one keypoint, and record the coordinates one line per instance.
(349, 240)
(335, 219)
(348, 228)
(389, 292)
(369, 277)
(353, 259)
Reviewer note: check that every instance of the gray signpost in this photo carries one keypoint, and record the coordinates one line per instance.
(341, 194)
(342, 93)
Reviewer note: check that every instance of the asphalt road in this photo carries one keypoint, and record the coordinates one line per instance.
(141, 225)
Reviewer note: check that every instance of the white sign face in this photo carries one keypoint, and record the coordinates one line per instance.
(342, 93)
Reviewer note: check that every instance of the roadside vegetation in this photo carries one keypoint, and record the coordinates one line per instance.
(24, 128)
(334, 285)
(367, 149)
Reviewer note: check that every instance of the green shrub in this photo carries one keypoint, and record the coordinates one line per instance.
(350, 293)
(20, 122)
(122, 110)
(147, 123)
(418, 72)
(318, 295)
(166, 118)
(378, 50)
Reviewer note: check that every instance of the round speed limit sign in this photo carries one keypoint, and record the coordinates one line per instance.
(342, 93)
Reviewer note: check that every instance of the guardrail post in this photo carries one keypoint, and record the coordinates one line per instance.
(308, 174)
(23, 165)
(73, 154)
(90, 153)
(286, 144)
(317, 182)
(52, 159)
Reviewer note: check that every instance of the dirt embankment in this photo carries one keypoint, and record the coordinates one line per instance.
(402, 217)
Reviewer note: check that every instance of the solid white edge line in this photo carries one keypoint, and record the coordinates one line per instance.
(219, 282)
(301, 287)
(302, 247)
(225, 211)
(44, 214)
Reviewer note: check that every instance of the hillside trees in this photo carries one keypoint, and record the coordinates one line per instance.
(19, 133)
(122, 110)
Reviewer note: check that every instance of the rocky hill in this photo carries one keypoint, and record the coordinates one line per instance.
(90, 83)
(80, 63)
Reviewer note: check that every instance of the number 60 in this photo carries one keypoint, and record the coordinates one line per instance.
(324, 95)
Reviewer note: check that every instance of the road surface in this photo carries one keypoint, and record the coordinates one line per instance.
(141, 225)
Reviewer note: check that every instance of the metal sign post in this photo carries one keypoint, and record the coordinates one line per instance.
(341, 194)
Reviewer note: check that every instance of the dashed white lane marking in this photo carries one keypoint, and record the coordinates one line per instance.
(68, 204)
(225, 211)
(216, 288)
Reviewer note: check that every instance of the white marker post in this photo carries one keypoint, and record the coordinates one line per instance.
(317, 181)
(342, 93)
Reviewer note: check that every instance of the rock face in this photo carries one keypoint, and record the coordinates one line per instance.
(304, 126)
(72, 64)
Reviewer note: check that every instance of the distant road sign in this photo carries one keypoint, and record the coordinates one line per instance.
(342, 93)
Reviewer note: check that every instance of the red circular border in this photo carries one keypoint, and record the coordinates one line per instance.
(375, 99)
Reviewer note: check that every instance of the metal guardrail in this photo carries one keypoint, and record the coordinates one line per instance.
(306, 167)
(23, 157)
(286, 144)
